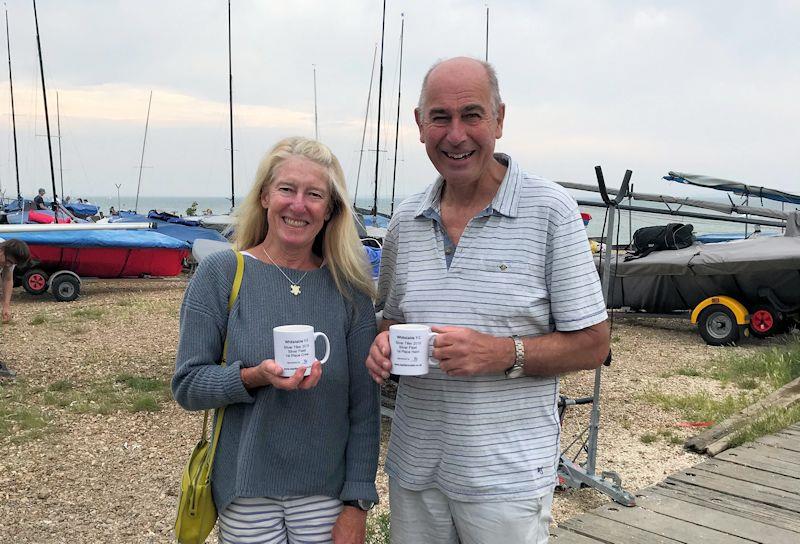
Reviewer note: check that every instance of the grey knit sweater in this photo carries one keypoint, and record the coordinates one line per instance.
(277, 443)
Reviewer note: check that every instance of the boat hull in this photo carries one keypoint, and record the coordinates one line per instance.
(110, 262)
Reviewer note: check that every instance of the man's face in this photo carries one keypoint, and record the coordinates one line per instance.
(458, 126)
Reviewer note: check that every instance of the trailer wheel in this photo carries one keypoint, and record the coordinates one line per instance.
(34, 281)
(65, 288)
(765, 321)
(718, 326)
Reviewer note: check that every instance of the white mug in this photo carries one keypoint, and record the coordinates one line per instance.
(411, 349)
(295, 347)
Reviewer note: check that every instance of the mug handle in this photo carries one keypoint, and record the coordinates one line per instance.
(327, 345)
(431, 360)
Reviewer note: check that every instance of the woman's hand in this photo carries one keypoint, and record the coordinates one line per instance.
(350, 526)
(268, 372)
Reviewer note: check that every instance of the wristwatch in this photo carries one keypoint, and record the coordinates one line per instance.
(518, 368)
(361, 504)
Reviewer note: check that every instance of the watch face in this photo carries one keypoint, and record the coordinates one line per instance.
(365, 505)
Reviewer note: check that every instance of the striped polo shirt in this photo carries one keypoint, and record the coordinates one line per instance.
(525, 269)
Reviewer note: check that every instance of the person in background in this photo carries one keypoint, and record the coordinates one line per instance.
(12, 253)
(496, 260)
(38, 201)
(297, 455)
(112, 211)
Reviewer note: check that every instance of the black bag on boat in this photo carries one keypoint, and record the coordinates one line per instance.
(658, 238)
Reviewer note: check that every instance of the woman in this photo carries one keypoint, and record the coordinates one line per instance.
(12, 253)
(297, 456)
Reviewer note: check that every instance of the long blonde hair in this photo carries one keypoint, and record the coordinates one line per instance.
(338, 240)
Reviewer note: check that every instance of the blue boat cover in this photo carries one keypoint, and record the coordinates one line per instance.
(99, 238)
(374, 255)
(82, 208)
(183, 232)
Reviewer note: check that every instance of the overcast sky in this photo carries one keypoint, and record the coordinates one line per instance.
(709, 87)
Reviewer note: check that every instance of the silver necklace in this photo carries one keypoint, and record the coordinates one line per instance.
(294, 286)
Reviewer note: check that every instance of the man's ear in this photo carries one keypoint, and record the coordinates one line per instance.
(418, 119)
(501, 115)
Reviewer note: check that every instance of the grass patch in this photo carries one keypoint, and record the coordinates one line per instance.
(699, 406)
(378, 528)
(774, 367)
(648, 438)
(689, 371)
(88, 313)
(60, 386)
(769, 422)
(17, 420)
(38, 319)
(126, 392)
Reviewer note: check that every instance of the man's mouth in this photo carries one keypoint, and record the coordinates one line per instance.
(458, 156)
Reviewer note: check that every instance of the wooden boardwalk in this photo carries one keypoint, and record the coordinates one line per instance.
(747, 494)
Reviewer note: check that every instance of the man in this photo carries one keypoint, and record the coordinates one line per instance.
(497, 262)
(38, 201)
(12, 253)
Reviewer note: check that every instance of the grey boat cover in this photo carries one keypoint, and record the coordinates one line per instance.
(678, 280)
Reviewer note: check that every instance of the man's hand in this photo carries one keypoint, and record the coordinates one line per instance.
(378, 362)
(268, 372)
(6, 315)
(350, 526)
(467, 352)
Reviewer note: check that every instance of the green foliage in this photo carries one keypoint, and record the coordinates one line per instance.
(378, 530)
(145, 403)
(125, 392)
(699, 406)
(38, 319)
(17, 420)
(140, 383)
(648, 438)
(88, 313)
(192, 210)
(774, 367)
(60, 386)
(771, 421)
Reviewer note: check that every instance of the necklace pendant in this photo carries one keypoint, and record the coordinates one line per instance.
(295, 289)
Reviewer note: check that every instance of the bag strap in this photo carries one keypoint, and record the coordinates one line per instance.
(220, 412)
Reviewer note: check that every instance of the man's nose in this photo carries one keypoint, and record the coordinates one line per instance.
(456, 132)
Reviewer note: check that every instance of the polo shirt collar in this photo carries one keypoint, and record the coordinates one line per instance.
(505, 201)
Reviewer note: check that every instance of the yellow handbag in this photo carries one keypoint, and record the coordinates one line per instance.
(197, 513)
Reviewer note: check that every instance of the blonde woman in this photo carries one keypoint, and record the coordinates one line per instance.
(297, 455)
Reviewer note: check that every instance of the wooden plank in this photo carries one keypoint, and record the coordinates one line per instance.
(612, 532)
(770, 452)
(663, 525)
(715, 519)
(780, 442)
(565, 536)
(739, 488)
(733, 505)
(749, 457)
(795, 426)
(748, 474)
(790, 430)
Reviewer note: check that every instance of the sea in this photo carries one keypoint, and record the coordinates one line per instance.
(626, 222)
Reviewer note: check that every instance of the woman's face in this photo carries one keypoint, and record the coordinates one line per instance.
(298, 203)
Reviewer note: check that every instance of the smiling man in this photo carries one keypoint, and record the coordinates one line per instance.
(497, 262)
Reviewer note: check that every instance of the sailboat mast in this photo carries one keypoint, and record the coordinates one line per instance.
(141, 159)
(486, 58)
(60, 162)
(397, 124)
(364, 132)
(46, 117)
(13, 116)
(230, 102)
(378, 141)
(316, 123)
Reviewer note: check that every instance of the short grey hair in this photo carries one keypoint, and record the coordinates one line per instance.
(491, 75)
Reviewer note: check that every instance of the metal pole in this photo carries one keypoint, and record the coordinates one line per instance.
(316, 122)
(366, 116)
(46, 116)
(119, 205)
(230, 102)
(141, 159)
(378, 141)
(13, 116)
(486, 58)
(60, 163)
(397, 124)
